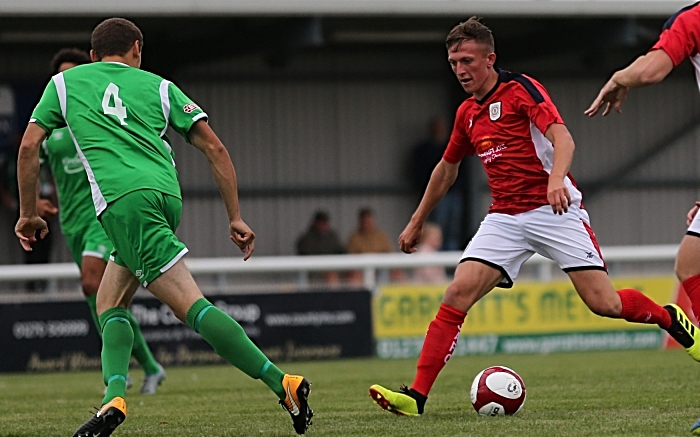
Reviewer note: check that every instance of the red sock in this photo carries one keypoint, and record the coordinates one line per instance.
(638, 308)
(691, 287)
(440, 342)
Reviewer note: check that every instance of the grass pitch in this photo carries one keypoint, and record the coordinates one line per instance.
(630, 393)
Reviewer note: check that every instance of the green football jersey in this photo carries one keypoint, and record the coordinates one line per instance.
(117, 117)
(75, 202)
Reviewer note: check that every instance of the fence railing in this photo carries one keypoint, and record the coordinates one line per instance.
(369, 264)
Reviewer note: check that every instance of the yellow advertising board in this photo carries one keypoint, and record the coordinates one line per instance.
(537, 316)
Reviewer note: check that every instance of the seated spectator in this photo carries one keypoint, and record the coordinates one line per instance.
(431, 241)
(320, 239)
(368, 238)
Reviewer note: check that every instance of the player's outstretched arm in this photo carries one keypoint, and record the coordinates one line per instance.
(442, 178)
(646, 70)
(27, 175)
(557, 193)
(204, 138)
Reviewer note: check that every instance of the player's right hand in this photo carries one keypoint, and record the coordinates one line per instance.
(410, 237)
(242, 236)
(612, 96)
(26, 228)
(693, 211)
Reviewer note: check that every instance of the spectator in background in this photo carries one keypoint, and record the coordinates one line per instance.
(430, 242)
(321, 239)
(449, 212)
(368, 238)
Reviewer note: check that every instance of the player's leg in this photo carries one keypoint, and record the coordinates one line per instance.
(95, 249)
(493, 257)
(598, 293)
(688, 265)
(141, 225)
(569, 240)
(116, 290)
(177, 289)
(632, 305)
(472, 281)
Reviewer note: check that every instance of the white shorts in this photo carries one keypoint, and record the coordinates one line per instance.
(694, 228)
(505, 241)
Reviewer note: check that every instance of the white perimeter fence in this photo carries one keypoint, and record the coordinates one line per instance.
(621, 260)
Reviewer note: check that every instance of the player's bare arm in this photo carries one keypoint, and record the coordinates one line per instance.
(204, 139)
(646, 70)
(557, 193)
(442, 178)
(27, 175)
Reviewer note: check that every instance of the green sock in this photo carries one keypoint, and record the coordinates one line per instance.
(92, 303)
(230, 341)
(141, 351)
(117, 340)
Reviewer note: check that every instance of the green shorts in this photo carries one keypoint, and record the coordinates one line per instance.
(142, 225)
(91, 241)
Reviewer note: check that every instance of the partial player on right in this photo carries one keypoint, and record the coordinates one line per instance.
(511, 123)
(679, 40)
(88, 244)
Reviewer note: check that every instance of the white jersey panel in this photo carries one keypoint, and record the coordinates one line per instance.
(97, 198)
(545, 153)
(696, 64)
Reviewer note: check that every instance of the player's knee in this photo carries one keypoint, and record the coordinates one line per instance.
(459, 296)
(684, 272)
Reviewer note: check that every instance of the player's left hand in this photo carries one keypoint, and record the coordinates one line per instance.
(558, 196)
(46, 209)
(612, 95)
(693, 211)
(242, 236)
(26, 228)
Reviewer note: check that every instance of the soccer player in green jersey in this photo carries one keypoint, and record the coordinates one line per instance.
(87, 241)
(117, 116)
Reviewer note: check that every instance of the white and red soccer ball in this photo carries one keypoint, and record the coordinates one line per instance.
(498, 391)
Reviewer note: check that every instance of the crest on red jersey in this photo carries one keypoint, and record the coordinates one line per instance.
(495, 111)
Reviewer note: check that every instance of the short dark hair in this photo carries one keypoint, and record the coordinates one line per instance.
(471, 30)
(366, 211)
(73, 55)
(115, 37)
(321, 216)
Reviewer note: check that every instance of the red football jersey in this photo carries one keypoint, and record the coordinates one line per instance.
(506, 130)
(680, 37)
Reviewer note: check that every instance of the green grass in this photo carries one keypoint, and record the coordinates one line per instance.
(631, 393)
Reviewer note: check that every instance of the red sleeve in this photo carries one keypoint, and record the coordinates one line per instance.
(459, 144)
(534, 101)
(679, 41)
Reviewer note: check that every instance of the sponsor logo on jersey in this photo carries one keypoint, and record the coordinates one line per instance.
(72, 165)
(190, 107)
(57, 135)
(495, 111)
(492, 153)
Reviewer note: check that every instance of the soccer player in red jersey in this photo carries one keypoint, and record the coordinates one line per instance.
(679, 39)
(511, 123)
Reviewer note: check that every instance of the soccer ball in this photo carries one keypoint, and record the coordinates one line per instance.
(498, 391)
